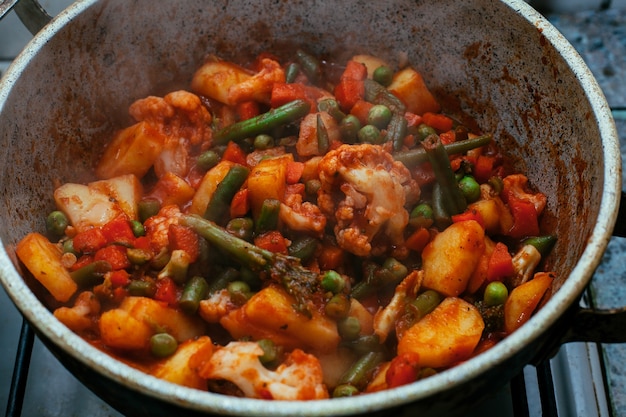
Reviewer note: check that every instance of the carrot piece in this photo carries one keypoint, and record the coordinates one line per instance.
(184, 238)
(166, 291)
(437, 121)
(294, 172)
(360, 110)
(403, 370)
(234, 153)
(351, 88)
(272, 241)
(483, 168)
(240, 205)
(247, 110)
(418, 239)
(500, 263)
(283, 93)
(330, 257)
(469, 214)
(525, 218)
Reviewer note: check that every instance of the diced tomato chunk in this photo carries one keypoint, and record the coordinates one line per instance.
(403, 370)
(234, 153)
(113, 254)
(118, 230)
(166, 291)
(119, 278)
(272, 241)
(89, 241)
(525, 218)
(500, 263)
(184, 238)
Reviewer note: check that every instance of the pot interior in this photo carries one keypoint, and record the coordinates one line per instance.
(71, 88)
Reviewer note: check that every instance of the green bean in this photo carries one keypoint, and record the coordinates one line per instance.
(377, 94)
(423, 131)
(208, 160)
(416, 156)
(397, 269)
(263, 123)
(330, 106)
(370, 134)
(163, 345)
(424, 303)
(379, 115)
(440, 212)
(268, 216)
(241, 227)
(323, 141)
(310, 66)
(361, 371)
(147, 208)
(453, 198)
(140, 288)
(383, 75)
(303, 248)
(397, 131)
(332, 281)
(470, 188)
(222, 280)
(543, 244)
(495, 294)
(218, 208)
(91, 274)
(56, 223)
(196, 289)
(363, 344)
(377, 277)
(291, 72)
(345, 390)
(349, 128)
(160, 260)
(338, 307)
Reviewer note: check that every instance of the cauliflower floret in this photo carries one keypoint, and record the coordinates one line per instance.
(298, 378)
(385, 319)
(517, 185)
(157, 227)
(524, 263)
(259, 86)
(218, 305)
(83, 315)
(302, 216)
(365, 190)
(184, 121)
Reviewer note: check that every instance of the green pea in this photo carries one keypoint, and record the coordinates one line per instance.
(349, 128)
(208, 160)
(379, 115)
(241, 227)
(383, 75)
(312, 186)
(333, 282)
(163, 345)
(338, 307)
(56, 223)
(470, 188)
(263, 141)
(422, 215)
(68, 246)
(495, 294)
(423, 131)
(331, 106)
(138, 256)
(370, 134)
(270, 351)
(349, 328)
(239, 291)
(148, 208)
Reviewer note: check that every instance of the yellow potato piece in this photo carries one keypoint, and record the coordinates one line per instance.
(523, 301)
(450, 258)
(179, 368)
(120, 330)
(446, 336)
(267, 180)
(215, 78)
(43, 259)
(270, 314)
(409, 86)
(125, 190)
(207, 187)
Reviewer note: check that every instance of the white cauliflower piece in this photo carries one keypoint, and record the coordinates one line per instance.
(365, 190)
(524, 263)
(157, 227)
(298, 378)
(385, 319)
(302, 216)
(218, 305)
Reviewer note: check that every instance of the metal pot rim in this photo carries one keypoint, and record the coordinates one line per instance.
(45, 323)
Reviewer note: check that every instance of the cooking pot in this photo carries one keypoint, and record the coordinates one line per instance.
(498, 62)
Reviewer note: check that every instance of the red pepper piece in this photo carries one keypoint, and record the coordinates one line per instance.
(351, 87)
(90, 240)
(500, 263)
(118, 230)
(272, 241)
(403, 370)
(115, 255)
(183, 238)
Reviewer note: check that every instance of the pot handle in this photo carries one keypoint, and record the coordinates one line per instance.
(601, 326)
(30, 12)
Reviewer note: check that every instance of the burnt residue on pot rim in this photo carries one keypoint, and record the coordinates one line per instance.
(36, 313)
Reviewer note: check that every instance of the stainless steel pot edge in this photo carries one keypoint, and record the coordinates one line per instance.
(34, 311)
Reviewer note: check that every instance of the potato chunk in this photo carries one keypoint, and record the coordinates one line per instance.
(179, 368)
(409, 86)
(125, 190)
(216, 78)
(86, 207)
(43, 259)
(267, 180)
(446, 336)
(270, 314)
(451, 257)
(132, 151)
(524, 299)
(207, 187)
